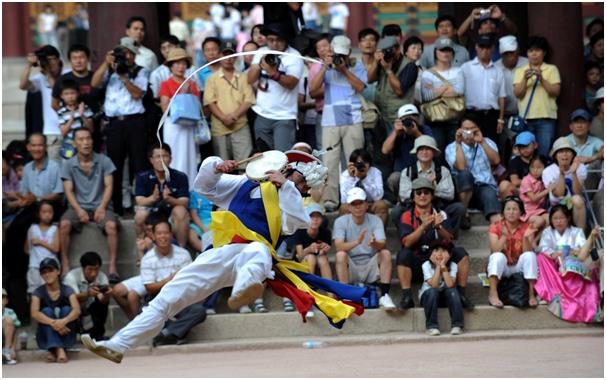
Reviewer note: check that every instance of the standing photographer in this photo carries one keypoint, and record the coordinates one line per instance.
(126, 84)
(92, 291)
(278, 81)
(344, 80)
(47, 58)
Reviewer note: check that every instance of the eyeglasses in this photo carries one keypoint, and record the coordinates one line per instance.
(422, 192)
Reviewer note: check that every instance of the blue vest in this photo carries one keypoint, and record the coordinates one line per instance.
(250, 211)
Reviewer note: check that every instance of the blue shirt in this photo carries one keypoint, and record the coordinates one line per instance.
(342, 105)
(44, 182)
(476, 161)
(202, 205)
(402, 147)
(203, 75)
(146, 182)
(592, 145)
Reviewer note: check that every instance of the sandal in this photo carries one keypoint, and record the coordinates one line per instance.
(104, 352)
(498, 305)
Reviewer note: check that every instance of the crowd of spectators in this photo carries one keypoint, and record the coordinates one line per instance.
(425, 172)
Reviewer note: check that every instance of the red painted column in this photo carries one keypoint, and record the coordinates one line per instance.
(360, 17)
(16, 34)
(563, 29)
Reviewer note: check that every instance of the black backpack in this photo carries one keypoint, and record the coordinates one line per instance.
(413, 172)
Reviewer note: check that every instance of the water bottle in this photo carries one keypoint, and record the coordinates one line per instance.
(23, 340)
(314, 344)
(373, 298)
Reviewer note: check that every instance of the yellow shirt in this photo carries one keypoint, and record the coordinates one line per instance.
(228, 95)
(543, 106)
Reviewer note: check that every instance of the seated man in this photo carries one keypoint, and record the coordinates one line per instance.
(155, 193)
(420, 226)
(158, 267)
(471, 158)
(93, 292)
(526, 145)
(426, 167)
(88, 181)
(360, 173)
(360, 242)
(407, 127)
(589, 149)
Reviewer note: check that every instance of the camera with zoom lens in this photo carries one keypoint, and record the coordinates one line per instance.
(360, 165)
(42, 58)
(272, 60)
(388, 54)
(339, 59)
(408, 122)
(120, 61)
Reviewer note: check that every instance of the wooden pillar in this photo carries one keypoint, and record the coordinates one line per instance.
(16, 33)
(562, 25)
(360, 17)
(108, 25)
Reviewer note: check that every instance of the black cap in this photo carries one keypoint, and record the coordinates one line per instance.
(228, 46)
(49, 263)
(48, 50)
(485, 40)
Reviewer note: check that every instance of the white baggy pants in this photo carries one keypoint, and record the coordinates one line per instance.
(527, 265)
(237, 265)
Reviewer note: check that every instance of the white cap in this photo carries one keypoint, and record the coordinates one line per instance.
(508, 43)
(356, 194)
(341, 45)
(406, 110)
(314, 207)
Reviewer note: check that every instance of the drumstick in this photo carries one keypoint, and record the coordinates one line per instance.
(247, 160)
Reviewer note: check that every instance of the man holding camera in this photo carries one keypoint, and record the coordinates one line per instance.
(420, 226)
(400, 142)
(47, 58)
(126, 84)
(93, 292)
(342, 130)
(278, 80)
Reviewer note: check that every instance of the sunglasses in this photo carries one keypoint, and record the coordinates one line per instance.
(422, 192)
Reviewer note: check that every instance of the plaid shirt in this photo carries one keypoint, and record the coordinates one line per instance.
(476, 161)
(342, 105)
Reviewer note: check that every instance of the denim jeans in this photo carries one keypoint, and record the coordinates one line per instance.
(544, 131)
(430, 301)
(48, 338)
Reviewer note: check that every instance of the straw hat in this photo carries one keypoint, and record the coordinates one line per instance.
(177, 54)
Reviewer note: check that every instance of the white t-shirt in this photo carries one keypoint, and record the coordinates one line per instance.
(155, 267)
(37, 253)
(146, 59)
(552, 173)
(48, 22)
(429, 271)
(51, 119)
(338, 16)
(310, 11)
(279, 103)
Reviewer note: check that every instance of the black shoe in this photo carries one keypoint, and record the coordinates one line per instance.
(162, 340)
(406, 302)
(466, 302)
(465, 223)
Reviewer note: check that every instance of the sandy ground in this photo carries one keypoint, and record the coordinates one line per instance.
(550, 357)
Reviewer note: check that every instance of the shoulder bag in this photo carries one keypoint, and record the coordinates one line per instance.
(185, 110)
(517, 124)
(370, 113)
(444, 108)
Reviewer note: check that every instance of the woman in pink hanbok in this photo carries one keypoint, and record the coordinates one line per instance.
(570, 287)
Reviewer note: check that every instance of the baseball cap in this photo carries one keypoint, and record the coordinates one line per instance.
(387, 42)
(525, 138)
(508, 43)
(48, 263)
(444, 43)
(314, 207)
(422, 183)
(485, 40)
(425, 140)
(580, 113)
(407, 110)
(228, 46)
(341, 45)
(356, 194)
(129, 43)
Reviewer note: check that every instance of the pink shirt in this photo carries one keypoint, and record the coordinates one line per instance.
(313, 71)
(531, 184)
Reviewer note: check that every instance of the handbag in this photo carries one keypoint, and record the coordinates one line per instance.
(184, 110)
(518, 123)
(370, 113)
(202, 132)
(513, 290)
(444, 108)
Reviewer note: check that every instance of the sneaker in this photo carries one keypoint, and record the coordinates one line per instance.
(433, 332)
(245, 296)
(309, 314)
(259, 307)
(466, 302)
(456, 331)
(102, 351)
(245, 310)
(162, 340)
(6, 357)
(386, 303)
(406, 302)
(288, 306)
(211, 311)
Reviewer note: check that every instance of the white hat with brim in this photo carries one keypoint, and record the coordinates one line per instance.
(425, 140)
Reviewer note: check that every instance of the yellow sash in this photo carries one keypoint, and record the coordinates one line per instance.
(225, 225)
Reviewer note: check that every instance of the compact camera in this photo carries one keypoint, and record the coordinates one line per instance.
(103, 288)
(484, 12)
(467, 133)
(120, 60)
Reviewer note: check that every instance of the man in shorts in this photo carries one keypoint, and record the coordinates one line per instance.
(87, 181)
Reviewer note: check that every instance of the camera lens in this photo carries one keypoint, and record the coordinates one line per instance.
(337, 60)
(408, 123)
(360, 165)
(271, 59)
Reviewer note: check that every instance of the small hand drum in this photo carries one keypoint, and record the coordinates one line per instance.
(257, 168)
(572, 264)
